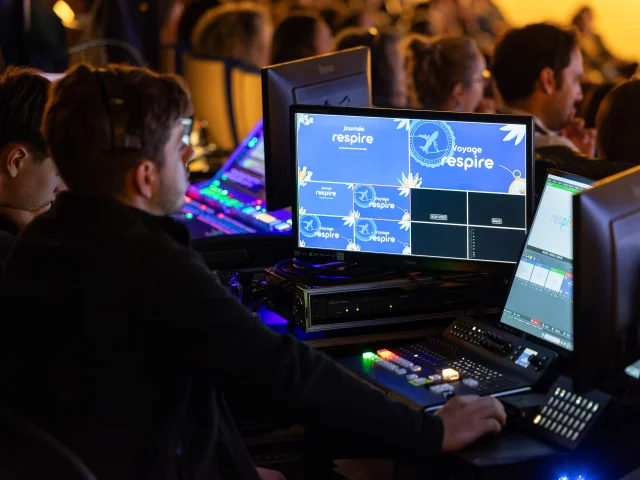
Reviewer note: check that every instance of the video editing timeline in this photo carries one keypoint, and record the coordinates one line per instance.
(397, 186)
(469, 358)
(540, 301)
(232, 201)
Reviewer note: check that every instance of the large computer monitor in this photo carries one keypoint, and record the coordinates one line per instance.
(540, 301)
(414, 189)
(607, 280)
(342, 78)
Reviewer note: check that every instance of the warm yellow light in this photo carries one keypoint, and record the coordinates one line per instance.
(450, 375)
(64, 12)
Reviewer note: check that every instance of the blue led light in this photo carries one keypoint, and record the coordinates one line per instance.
(252, 142)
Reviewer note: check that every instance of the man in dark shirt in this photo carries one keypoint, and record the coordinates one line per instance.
(29, 180)
(133, 373)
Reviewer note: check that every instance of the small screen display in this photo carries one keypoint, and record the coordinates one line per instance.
(523, 359)
(417, 188)
(540, 301)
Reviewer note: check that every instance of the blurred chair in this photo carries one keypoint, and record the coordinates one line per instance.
(171, 58)
(227, 95)
(29, 453)
(246, 98)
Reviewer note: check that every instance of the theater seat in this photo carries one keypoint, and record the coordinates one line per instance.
(227, 94)
(171, 58)
(207, 79)
(29, 453)
(246, 98)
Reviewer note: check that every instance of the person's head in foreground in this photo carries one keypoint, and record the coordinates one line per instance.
(29, 180)
(448, 73)
(118, 132)
(538, 69)
(618, 123)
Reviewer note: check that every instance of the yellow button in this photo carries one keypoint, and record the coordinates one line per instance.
(450, 375)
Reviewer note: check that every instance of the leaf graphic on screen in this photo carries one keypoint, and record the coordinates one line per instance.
(404, 225)
(303, 176)
(409, 182)
(351, 219)
(351, 186)
(515, 131)
(403, 122)
(302, 210)
(353, 247)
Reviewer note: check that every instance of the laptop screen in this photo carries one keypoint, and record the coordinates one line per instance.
(540, 301)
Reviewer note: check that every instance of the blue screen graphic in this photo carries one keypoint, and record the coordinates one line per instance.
(430, 188)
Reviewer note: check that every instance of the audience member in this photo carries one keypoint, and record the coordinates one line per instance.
(538, 70)
(235, 31)
(300, 36)
(600, 63)
(388, 76)
(29, 180)
(152, 343)
(618, 124)
(137, 23)
(192, 13)
(335, 16)
(448, 73)
(489, 102)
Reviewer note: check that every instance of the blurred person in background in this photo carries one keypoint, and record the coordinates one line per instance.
(448, 73)
(538, 71)
(193, 12)
(600, 64)
(135, 22)
(301, 35)
(388, 76)
(32, 35)
(489, 102)
(235, 31)
(618, 124)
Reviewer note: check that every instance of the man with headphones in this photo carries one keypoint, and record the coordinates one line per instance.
(135, 372)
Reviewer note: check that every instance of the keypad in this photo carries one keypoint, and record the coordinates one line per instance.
(566, 414)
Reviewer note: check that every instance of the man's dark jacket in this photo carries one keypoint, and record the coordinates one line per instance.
(119, 341)
(8, 232)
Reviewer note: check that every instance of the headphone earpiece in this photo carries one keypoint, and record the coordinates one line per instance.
(117, 111)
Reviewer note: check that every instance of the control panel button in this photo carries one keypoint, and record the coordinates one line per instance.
(470, 382)
(450, 375)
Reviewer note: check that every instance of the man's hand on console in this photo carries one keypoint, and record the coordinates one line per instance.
(467, 418)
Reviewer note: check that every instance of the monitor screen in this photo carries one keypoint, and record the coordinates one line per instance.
(338, 79)
(540, 301)
(445, 186)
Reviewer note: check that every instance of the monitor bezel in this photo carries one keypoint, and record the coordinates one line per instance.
(401, 261)
(279, 193)
(596, 344)
(514, 330)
